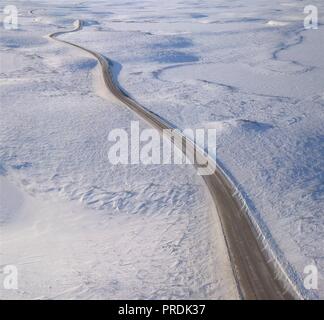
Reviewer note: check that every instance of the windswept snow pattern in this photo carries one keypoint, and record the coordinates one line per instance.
(74, 225)
(248, 68)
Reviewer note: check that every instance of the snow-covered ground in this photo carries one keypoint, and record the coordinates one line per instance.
(78, 227)
(75, 225)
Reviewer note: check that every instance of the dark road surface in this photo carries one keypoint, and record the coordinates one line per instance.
(255, 276)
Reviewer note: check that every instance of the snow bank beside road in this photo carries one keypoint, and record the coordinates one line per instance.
(260, 83)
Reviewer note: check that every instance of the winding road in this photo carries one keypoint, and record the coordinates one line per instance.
(257, 275)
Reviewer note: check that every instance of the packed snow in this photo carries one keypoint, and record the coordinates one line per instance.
(77, 226)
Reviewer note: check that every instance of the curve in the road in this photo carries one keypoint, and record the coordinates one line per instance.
(257, 274)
